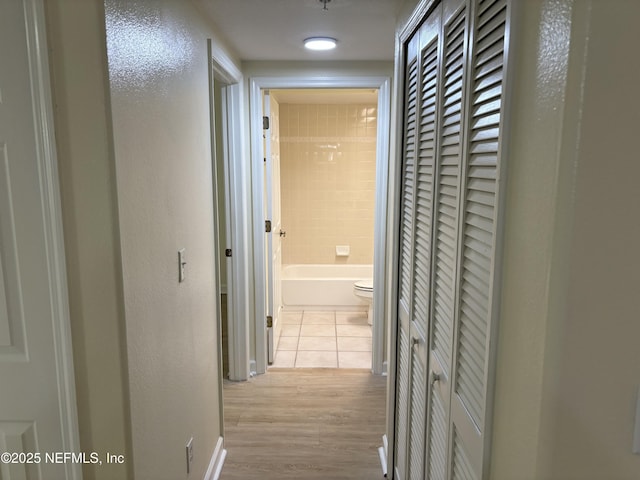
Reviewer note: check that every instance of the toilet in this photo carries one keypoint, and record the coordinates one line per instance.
(364, 290)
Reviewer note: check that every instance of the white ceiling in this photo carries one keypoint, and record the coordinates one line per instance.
(275, 29)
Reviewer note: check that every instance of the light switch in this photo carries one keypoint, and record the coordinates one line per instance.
(182, 263)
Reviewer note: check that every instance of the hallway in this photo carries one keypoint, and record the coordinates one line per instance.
(305, 424)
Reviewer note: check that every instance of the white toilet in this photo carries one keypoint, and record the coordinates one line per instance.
(364, 290)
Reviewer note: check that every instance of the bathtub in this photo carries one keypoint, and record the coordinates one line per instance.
(322, 286)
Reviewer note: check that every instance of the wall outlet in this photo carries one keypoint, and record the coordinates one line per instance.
(189, 452)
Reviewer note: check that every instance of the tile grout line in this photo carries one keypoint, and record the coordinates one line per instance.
(333, 314)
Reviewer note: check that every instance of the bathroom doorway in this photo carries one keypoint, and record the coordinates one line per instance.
(324, 140)
(320, 184)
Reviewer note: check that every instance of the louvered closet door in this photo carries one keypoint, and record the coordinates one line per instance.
(450, 185)
(445, 230)
(419, 166)
(408, 174)
(476, 308)
(421, 261)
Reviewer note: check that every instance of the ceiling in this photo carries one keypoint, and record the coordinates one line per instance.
(275, 29)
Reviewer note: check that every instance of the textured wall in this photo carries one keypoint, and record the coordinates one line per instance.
(328, 163)
(157, 54)
(568, 369)
(75, 30)
(597, 375)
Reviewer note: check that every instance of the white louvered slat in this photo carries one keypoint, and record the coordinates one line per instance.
(462, 469)
(408, 178)
(407, 232)
(424, 169)
(418, 402)
(402, 414)
(437, 448)
(479, 216)
(413, 278)
(446, 202)
(424, 186)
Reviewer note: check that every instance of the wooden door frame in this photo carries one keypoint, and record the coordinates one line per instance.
(383, 85)
(236, 175)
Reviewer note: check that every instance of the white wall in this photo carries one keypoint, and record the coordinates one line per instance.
(537, 110)
(134, 147)
(76, 38)
(157, 56)
(568, 367)
(597, 374)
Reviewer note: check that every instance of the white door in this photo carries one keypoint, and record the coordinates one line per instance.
(453, 107)
(272, 214)
(37, 398)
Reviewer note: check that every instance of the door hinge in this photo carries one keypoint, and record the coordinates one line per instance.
(269, 321)
(267, 226)
(227, 252)
(265, 123)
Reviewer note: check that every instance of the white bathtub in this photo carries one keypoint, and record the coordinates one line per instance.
(323, 286)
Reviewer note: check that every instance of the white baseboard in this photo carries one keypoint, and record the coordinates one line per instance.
(382, 452)
(325, 308)
(383, 461)
(216, 462)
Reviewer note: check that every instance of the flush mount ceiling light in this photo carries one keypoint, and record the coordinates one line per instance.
(320, 43)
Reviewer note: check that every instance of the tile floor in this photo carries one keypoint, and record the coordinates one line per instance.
(324, 340)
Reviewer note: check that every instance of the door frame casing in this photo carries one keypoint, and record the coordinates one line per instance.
(52, 222)
(238, 214)
(383, 85)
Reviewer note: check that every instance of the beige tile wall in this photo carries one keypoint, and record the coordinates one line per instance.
(327, 161)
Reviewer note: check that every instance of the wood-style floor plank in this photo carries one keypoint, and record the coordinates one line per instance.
(305, 424)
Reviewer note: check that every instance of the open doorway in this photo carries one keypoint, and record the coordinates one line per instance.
(320, 196)
(231, 220)
(266, 331)
(223, 230)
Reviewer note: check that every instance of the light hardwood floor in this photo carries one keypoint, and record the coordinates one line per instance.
(305, 424)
